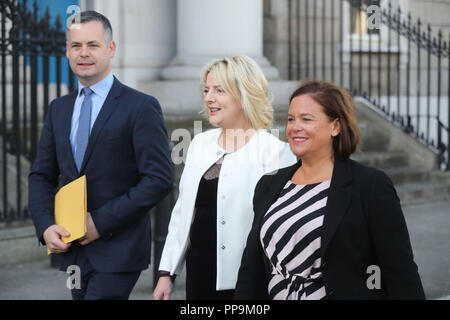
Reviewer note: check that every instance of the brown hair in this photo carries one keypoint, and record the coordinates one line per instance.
(337, 103)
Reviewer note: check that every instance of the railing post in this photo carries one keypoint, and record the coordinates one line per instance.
(428, 82)
(369, 80)
(71, 78)
(379, 67)
(398, 61)
(439, 144)
(56, 49)
(439, 52)
(298, 50)
(307, 64)
(45, 66)
(332, 24)
(388, 91)
(314, 39)
(289, 39)
(408, 73)
(15, 134)
(350, 66)
(323, 39)
(33, 85)
(24, 149)
(3, 106)
(360, 3)
(448, 106)
(418, 42)
(341, 41)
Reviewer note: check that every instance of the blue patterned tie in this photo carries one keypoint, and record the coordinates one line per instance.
(83, 127)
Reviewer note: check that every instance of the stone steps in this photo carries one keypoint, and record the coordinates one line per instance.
(413, 185)
(409, 164)
(400, 176)
(423, 192)
(416, 185)
(382, 160)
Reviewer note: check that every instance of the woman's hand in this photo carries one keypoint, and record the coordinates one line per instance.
(163, 289)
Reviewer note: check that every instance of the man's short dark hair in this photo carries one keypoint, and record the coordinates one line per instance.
(88, 16)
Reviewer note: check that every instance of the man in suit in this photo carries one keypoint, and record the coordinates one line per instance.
(115, 136)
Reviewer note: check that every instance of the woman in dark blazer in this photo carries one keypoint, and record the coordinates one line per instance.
(327, 227)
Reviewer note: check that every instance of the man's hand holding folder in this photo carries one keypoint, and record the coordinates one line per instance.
(71, 218)
(52, 237)
(54, 233)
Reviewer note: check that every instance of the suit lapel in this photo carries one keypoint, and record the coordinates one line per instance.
(108, 107)
(67, 127)
(338, 201)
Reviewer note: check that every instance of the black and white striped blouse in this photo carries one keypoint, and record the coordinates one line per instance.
(290, 236)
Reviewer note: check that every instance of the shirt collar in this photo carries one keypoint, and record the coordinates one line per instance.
(100, 88)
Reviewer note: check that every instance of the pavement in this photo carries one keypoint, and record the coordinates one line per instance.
(428, 225)
(39, 281)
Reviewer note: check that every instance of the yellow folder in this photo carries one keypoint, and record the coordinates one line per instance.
(71, 209)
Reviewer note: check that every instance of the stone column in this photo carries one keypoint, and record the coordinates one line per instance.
(145, 33)
(208, 29)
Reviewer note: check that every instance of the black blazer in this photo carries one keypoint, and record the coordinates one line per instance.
(363, 226)
(128, 169)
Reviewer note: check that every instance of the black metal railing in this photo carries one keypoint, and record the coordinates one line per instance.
(399, 67)
(32, 71)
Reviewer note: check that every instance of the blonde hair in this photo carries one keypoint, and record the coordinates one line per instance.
(241, 77)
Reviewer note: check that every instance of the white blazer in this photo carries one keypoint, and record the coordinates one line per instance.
(239, 174)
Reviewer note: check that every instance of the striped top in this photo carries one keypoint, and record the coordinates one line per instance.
(290, 235)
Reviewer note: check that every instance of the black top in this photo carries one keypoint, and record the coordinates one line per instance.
(203, 229)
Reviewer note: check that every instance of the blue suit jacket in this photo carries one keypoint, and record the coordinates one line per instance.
(128, 169)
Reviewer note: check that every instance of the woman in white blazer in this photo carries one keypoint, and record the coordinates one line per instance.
(213, 214)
